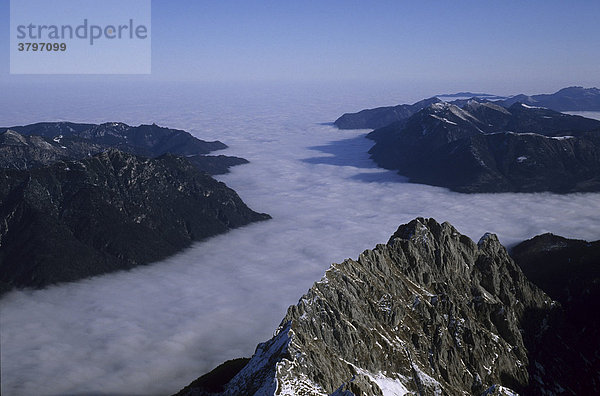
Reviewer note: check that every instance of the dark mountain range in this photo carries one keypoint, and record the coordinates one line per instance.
(484, 147)
(381, 116)
(24, 147)
(567, 99)
(429, 313)
(112, 211)
(569, 271)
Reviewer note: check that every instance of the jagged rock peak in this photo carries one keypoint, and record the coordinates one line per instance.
(430, 312)
(419, 227)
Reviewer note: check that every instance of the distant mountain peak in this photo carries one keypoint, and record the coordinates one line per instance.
(573, 98)
(468, 95)
(574, 88)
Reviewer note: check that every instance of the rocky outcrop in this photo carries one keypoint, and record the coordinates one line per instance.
(113, 211)
(483, 147)
(36, 145)
(430, 312)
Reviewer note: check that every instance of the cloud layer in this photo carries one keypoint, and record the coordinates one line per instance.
(154, 329)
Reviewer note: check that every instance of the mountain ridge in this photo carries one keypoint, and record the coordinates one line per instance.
(574, 98)
(567, 99)
(430, 312)
(483, 148)
(43, 143)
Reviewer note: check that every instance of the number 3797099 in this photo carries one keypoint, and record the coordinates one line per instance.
(47, 47)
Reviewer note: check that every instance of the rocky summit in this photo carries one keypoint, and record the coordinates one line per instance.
(429, 313)
(112, 211)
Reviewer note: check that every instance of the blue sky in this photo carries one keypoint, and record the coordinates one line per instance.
(501, 46)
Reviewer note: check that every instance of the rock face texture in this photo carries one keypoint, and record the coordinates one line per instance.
(429, 313)
(483, 147)
(35, 145)
(113, 211)
(567, 360)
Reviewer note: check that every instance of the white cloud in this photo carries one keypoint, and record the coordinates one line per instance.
(154, 329)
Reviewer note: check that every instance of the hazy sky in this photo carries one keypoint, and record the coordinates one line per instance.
(504, 46)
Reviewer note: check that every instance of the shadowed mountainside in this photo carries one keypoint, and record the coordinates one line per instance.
(569, 271)
(113, 211)
(484, 147)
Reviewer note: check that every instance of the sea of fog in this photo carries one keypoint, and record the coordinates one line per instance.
(154, 329)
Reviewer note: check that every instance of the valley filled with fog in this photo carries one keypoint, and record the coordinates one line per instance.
(154, 329)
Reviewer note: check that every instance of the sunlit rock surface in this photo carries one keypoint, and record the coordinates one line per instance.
(430, 312)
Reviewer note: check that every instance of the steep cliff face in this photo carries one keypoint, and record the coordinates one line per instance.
(76, 219)
(430, 312)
